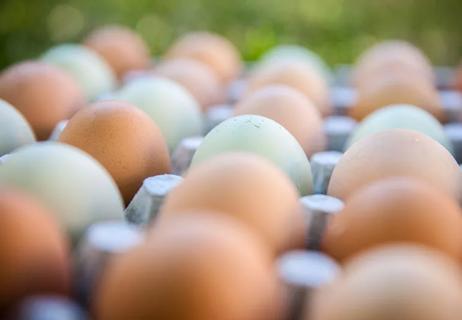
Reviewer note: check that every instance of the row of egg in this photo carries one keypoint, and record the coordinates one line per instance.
(196, 262)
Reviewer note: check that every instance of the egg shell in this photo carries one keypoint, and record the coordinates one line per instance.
(396, 282)
(403, 117)
(261, 136)
(15, 131)
(194, 267)
(42, 93)
(298, 75)
(210, 48)
(73, 185)
(227, 184)
(397, 88)
(395, 152)
(292, 110)
(196, 77)
(395, 210)
(122, 48)
(168, 104)
(88, 68)
(33, 250)
(123, 139)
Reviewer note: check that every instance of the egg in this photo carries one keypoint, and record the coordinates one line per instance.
(395, 152)
(123, 139)
(261, 136)
(392, 56)
(171, 107)
(42, 93)
(122, 48)
(15, 131)
(196, 77)
(396, 282)
(194, 267)
(73, 185)
(291, 52)
(395, 210)
(458, 79)
(397, 88)
(292, 110)
(33, 250)
(296, 74)
(212, 49)
(88, 68)
(404, 117)
(226, 184)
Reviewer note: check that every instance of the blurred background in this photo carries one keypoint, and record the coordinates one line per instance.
(337, 29)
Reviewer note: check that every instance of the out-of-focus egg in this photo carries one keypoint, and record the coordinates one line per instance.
(43, 94)
(292, 110)
(395, 282)
(171, 106)
(395, 152)
(288, 52)
(87, 67)
(123, 139)
(458, 81)
(212, 49)
(395, 210)
(397, 89)
(404, 117)
(122, 48)
(194, 267)
(298, 75)
(15, 131)
(392, 56)
(33, 251)
(262, 136)
(248, 188)
(196, 77)
(68, 181)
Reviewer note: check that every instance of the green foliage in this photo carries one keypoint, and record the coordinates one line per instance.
(337, 29)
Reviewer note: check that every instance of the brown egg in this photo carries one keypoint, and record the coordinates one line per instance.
(122, 48)
(212, 49)
(248, 188)
(123, 139)
(193, 267)
(296, 74)
(196, 77)
(458, 81)
(395, 210)
(396, 88)
(33, 251)
(395, 152)
(396, 282)
(392, 56)
(43, 93)
(292, 110)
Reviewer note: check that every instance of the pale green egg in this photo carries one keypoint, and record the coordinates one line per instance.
(262, 136)
(71, 183)
(15, 131)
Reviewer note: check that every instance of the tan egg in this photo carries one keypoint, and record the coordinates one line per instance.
(194, 267)
(196, 77)
(298, 75)
(291, 109)
(395, 152)
(122, 48)
(33, 250)
(43, 93)
(395, 210)
(395, 282)
(123, 139)
(248, 188)
(395, 88)
(392, 56)
(458, 80)
(212, 49)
